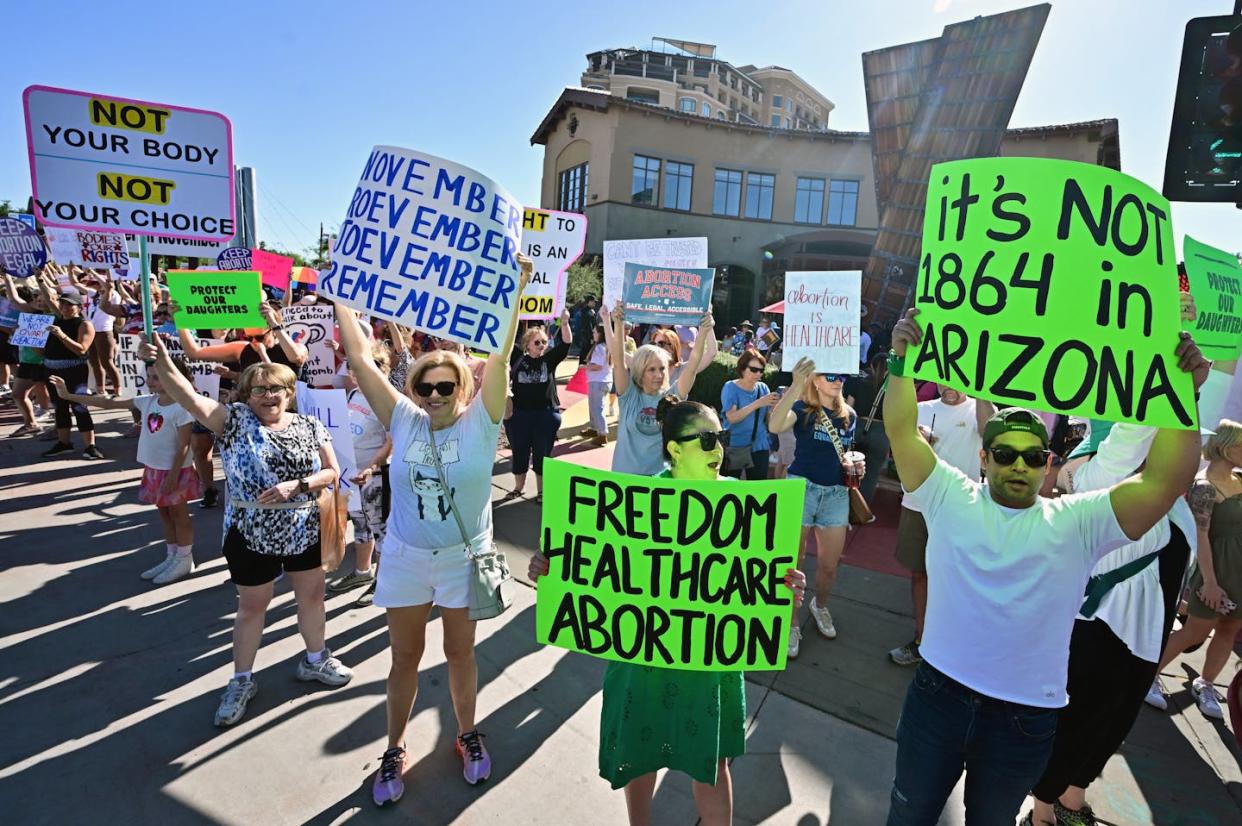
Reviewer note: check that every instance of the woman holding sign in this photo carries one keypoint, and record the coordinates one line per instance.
(65, 355)
(440, 431)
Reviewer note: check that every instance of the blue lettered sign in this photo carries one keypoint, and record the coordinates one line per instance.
(663, 295)
(234, 258)
(21, 249)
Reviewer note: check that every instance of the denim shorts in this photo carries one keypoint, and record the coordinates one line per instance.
(825, 506)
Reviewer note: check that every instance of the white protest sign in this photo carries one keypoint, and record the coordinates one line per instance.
(31, 330)
(134, 371)
(63, 245)
(312, 326)
(332, 408)
(430, 244)
(95, 250)
(822, 320)
(120, 165)
(180, 247)
(664, 253)
(552, 240)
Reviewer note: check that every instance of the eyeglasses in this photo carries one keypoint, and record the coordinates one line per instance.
(1034, 458)
(540, 343)
(832, 376)
(258, 391)
(708, 439)
(444, 388)
(750, 368)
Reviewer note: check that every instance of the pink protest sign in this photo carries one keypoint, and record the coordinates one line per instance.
(273, 268)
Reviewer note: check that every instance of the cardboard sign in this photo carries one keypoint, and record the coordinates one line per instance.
(430, 244)
(32, 330)
(312, 327)
(553, 240)
(178, 247)
(115, 164)
(21, 249)
(667, 253)
(660, 295)
(332, 408)
(1053, 285)
(95, 250)
(822, 312)
(668, 573)
(134, 371)
(273, 268)
(1216, 312)
(211, 300)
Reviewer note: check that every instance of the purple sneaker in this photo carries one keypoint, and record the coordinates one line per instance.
(478, 763)
(388, 786)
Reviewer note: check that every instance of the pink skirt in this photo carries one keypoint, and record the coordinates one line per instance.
(188, 487)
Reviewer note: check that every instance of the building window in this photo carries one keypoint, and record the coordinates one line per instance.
(646, 180)
(788, 124)
(678, 181)
(788, 105)
(643, 95)
(688, 105)
(778, 101)
(727, 199)
(759, 190)
(809, 201)
(706, 111)
(843, 203)
(572, 188)
(776, 121)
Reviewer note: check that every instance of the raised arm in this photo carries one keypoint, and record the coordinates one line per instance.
(496, 371)
(614, 337)
(685, 382)
(913, 456)
(782, 416)
(294, 352)
(711, 349)
(15, 299)
(208, 412)
(379, 392)
(102, 402)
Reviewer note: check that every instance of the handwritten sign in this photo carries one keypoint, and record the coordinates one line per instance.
(106, 163)
(668, 253)
(667, 573)
(32, 330)
(273, 268)
(822, 319)
(133, 370)
(96, 250)
(552, 240)
(21, 250)
(661, 295)
(312, 327)
(1216, 285)
(430, 244)
(1051, 284)
(331, 407)
(216, 300)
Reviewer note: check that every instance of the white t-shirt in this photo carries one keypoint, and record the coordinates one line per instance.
(599, 355)
(369, 433)
(1004, 584)
(420, 514)
(958, 441)
(157, 441)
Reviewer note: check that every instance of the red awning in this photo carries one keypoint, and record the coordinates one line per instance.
(778, 308)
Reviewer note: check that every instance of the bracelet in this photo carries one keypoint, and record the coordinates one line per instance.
(276, 328)
(896, 364)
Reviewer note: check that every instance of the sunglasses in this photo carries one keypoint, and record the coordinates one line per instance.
(259, 391)
(833, 376)
(750, 368)
(444, 388)
(540, 343)
(1034, 458)
(708, 439)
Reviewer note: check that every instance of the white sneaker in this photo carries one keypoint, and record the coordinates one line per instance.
(154, 570)
(329, 670)
(178, 567)
(823, 620)
(795, 642)
(233, 701)
(1209, 702)
(1155, 697)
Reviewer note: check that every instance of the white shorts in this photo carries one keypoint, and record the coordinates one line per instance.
(416, 576)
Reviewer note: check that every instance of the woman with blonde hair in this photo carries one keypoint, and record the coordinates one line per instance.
(670, 342)
(1216, 501)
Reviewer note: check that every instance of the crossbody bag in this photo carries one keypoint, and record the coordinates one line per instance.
(860, 511)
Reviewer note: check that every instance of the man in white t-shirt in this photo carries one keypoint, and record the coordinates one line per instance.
(1006, 574)
(953, 425)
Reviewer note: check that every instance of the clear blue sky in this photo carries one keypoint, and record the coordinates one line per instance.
(310, 86)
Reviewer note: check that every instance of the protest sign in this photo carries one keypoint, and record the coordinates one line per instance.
(31, 330)
(214, 300)
(234, 258)
(668, 573)
(25, 217)
(114, 164)
(178, 247)
(1216, 312)
(133, 370)
(95, 250)
(312, 326)
(1052, 285)
(659, 295)
(331, 407)
(21, 249)
(822, 312)
(63, 245)
(430, 244)
(552, 240)
(668, 253)
(9, 314)
(273, 268)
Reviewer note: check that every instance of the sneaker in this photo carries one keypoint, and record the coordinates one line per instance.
(823, 620)
(210, 497)
(1209, 702)
(600, 441)
(233, 700)
(154, 570)
(366, 597)
(329, 670)
(1155, 697)
(907, 654)
(1074, 817)
(178, 567)
(92, 452)
(388, 786)
(350, 582)
(477, 762)
(795, 643)
(25, 430)
(588, 433)
(57, 449)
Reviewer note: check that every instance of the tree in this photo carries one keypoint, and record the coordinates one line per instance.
(6, 208)
(585, 278)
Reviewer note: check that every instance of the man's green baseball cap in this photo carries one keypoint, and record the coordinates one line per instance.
(1014, 419)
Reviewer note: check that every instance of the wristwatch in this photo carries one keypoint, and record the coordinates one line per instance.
(303, 486)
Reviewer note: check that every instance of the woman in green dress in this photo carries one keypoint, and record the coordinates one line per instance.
(658, 718)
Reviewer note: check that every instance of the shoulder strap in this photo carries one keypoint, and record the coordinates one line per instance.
(1098, 586)
(754, 431)
(435, 455)
(836, 437)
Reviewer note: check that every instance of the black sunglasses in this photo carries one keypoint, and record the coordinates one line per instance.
(444, 388)
(833, 376)
(1034, 458)
(708, 439)
(750, 368)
